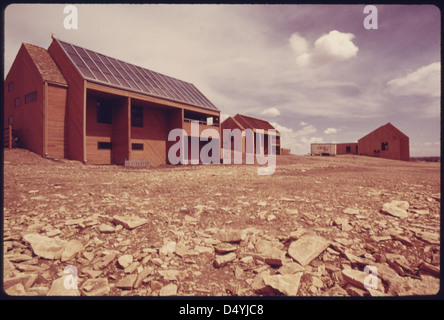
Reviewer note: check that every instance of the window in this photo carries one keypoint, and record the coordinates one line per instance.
(347, 149)
(16, 102)
(104, 112)
(10, 86)
(137, 146)
(137, 116)
(31, 97)
(11, 120)
(384, 146)
(104, 145)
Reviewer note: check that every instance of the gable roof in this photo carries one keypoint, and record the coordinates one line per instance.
(391, 128)
(248, 122)
(97, 67)
(44, 63)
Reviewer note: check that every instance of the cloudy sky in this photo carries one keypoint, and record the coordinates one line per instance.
(313, 71)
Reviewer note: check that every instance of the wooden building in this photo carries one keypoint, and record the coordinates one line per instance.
(243, 122)
(386, 142)
(347, 148)
(323, 149)
(71, 102)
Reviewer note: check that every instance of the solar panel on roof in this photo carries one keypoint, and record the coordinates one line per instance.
(98, 67)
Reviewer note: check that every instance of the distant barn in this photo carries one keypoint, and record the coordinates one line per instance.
(385, 142)
(72, 102)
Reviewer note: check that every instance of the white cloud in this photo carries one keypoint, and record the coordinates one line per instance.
(332, 47)
(425, 80)
(330, 130)
(302, 123)
(297, 141)
(272, 112)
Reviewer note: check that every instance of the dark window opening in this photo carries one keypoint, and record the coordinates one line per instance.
(384, 146)
(348, 149)
(104, 145)
(10, 86)
(104, 112)
(137, 116)
(31, 97)
(137, 146)
(16, 102)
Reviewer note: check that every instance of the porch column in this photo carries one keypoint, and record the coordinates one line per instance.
(121, 135)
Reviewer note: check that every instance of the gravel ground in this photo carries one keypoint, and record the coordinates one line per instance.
(316, 227)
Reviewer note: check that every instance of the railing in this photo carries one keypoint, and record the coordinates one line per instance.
(7, 137)
(200, 122)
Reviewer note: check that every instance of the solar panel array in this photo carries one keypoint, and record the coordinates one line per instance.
(104, 69)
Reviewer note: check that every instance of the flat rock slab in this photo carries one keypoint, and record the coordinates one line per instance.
(127, 282)
(432, 238)
(72, 249)
(355, 277)
(396, 209)
(125, 260)
(45, 247)
(96, 287)
(222, 260)
(307, 248)
(271, 251)
(104, 261)
(168, 290)
(225, 247)
(287, 284)
(63, 287)
(130, 222)
(229, 235)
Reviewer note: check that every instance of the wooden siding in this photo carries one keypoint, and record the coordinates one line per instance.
(57, 127)
(96, 132)
(153, 136)
(75, 103)
(341, 148)
(28, 118)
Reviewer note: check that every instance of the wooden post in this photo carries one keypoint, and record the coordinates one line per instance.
(10, 136)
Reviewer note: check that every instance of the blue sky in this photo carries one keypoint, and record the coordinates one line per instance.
(313, 71)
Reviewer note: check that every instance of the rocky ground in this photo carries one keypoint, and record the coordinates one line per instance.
(319, 226)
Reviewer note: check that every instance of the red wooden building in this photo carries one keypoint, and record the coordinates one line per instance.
(71, 102)
(347, 148)
(386, 142)
(243, 122)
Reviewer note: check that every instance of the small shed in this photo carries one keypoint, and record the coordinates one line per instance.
(323, 149)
